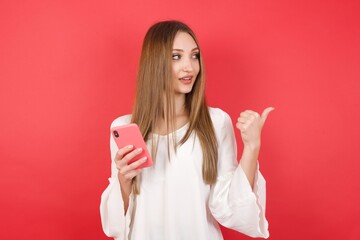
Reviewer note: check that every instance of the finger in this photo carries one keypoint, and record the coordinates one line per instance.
(133, 173)
(133, 165)
(241, 127)
(122, 151)
(244, 114)
(265, 114)
(132, 154)
(252, 113)
(242, 119)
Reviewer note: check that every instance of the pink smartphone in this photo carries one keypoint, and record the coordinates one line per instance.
(130, 135)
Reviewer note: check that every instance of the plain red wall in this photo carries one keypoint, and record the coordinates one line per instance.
(67, 69)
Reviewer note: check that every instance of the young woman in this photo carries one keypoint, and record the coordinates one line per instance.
(195, 181)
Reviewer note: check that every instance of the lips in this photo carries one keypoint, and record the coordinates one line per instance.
(186, 78)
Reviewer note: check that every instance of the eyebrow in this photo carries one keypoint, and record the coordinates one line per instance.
(180, 50)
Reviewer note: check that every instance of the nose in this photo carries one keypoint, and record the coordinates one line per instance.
(188, 65)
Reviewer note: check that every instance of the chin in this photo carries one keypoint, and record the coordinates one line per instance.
(184, 90)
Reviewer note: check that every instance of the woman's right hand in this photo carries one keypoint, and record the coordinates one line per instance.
(126, 172)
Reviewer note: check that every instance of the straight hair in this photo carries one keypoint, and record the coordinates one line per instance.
(154, 99)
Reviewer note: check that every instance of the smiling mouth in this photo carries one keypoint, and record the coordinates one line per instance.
(186, 78)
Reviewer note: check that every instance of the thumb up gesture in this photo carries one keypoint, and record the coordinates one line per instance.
(250, 124)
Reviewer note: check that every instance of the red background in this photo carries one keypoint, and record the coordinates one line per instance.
(67, 69)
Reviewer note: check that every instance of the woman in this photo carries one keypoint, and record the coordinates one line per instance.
(196, 180)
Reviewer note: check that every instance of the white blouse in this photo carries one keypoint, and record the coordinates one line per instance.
(175, 204)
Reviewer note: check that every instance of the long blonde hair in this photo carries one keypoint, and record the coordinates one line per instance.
(154, 98)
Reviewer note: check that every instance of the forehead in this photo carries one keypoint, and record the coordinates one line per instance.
(184, 41)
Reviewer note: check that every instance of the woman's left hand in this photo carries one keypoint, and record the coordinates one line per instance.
(250, 124)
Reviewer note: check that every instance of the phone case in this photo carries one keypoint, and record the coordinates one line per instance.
(130, 135)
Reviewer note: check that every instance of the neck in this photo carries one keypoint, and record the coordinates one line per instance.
(181, 116)
(179, 104)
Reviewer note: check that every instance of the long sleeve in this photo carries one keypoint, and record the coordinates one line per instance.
(115, 224)
(233, 202)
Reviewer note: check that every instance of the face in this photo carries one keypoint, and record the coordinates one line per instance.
(185, 62)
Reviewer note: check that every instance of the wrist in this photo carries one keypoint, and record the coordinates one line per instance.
(250, 153)
(124, 183)
(252, 147)
(125, 190)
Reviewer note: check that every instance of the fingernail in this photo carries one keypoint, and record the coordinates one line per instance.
(130, 146)
(143, 159)
(139, 150)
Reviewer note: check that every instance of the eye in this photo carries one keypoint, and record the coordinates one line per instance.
(176, 56)
(196, 55)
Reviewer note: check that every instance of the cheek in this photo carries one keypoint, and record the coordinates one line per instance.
(197, 68)
(175, 70)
